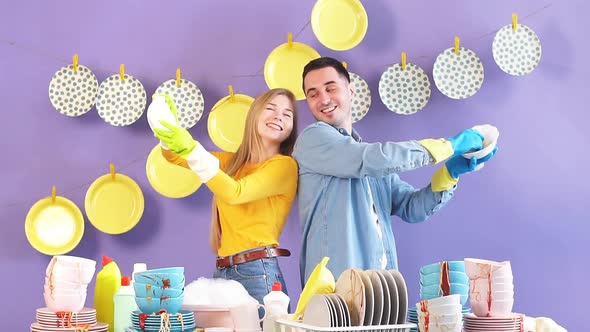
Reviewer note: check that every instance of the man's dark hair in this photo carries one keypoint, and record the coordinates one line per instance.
(324, 62)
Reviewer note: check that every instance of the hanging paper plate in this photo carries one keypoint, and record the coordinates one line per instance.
(114, 203)
(54, 225)
(516, 52)
(188, 100)
(168, 179)
(73, 92)
(121, 102)
(361, 100)
(458, 76)
(284, 65)
(404, 91)
(339, 24)
(227, 120)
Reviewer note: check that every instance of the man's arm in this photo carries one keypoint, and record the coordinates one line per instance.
(415, 205)
(320, 148)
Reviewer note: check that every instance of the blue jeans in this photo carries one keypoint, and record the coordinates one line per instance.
(256, 276)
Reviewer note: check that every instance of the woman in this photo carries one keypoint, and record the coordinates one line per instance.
(253, 189)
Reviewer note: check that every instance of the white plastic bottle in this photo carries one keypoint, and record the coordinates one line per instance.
(124, 305)
(276, 304)
(137, 267)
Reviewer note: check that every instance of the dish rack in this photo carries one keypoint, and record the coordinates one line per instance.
(288, 325)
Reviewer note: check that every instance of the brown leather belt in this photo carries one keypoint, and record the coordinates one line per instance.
(227, 261)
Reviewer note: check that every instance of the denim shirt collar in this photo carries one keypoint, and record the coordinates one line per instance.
(354, 135)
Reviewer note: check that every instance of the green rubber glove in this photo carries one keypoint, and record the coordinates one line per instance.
(178, 139)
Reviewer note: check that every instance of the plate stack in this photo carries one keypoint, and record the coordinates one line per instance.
(510, 323)
(183, 320)
(62, 321)
(362, 298)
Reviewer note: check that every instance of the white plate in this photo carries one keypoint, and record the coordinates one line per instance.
(345, 310)
(490, 138)
(405, 91)
(361, 100)
(188, 100)
(351, 288)
(458, 76)
(516, 52)
(377, 297)
(369, 299)
(393, 299)
(386, 310)
(402, 292)
(73, 93)
(317, 312)
(120, 102)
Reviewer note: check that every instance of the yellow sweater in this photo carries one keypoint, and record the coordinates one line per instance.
(254, 205)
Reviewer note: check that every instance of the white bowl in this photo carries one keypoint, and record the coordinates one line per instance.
(60, 302)
(482, 286)
(449, 299)
(71, 261)
(498, 308)
(482, 268)
(57, 283)
(64, 291)
(446, 327)
(446, 309)
(80, 275)
(490, 138)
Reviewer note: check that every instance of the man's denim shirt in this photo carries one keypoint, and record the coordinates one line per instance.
(348, 190)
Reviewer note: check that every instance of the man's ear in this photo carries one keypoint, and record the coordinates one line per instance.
(351, 87)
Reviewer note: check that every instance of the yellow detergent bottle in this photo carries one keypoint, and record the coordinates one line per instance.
(108, 281)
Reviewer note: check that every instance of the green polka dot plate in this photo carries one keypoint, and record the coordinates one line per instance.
(458, 76)
(121, 102)
(361, 101)
(404, 91)
(188, 100)
(73, 93)
(516, 52)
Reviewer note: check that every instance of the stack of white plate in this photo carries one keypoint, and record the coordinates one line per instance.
(511, 323)
(374, 297)
(327, 310)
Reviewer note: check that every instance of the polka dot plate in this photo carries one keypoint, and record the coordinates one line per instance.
(361, 101)
(516, 52)
(188, 100)
(458, 76)
(121, 102)
(404, 91)
(73, 93)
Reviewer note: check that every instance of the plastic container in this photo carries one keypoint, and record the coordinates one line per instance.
(108, 281)
(124, 305)
(276, 304)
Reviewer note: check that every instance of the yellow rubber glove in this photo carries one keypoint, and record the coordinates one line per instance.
(440, 149)
(176, 138)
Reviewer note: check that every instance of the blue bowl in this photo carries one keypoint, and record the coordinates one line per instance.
(145, 290)
(460, 289)
(457, 277)
(162, 270)
(435, 267)
(166, 280)
(172, 305)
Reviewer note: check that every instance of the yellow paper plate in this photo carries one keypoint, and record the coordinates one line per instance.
(114, 203)
(54, 225)
(339, 24)
(284, 66)
(227, 120)
(168, 179)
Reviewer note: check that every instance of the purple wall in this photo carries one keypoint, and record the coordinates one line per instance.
(526, 206)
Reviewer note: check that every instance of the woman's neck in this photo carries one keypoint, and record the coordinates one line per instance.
(268, 151)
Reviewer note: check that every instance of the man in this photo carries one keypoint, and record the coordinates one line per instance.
(348, 189)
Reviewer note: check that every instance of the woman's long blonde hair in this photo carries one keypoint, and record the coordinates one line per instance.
(251, 149)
